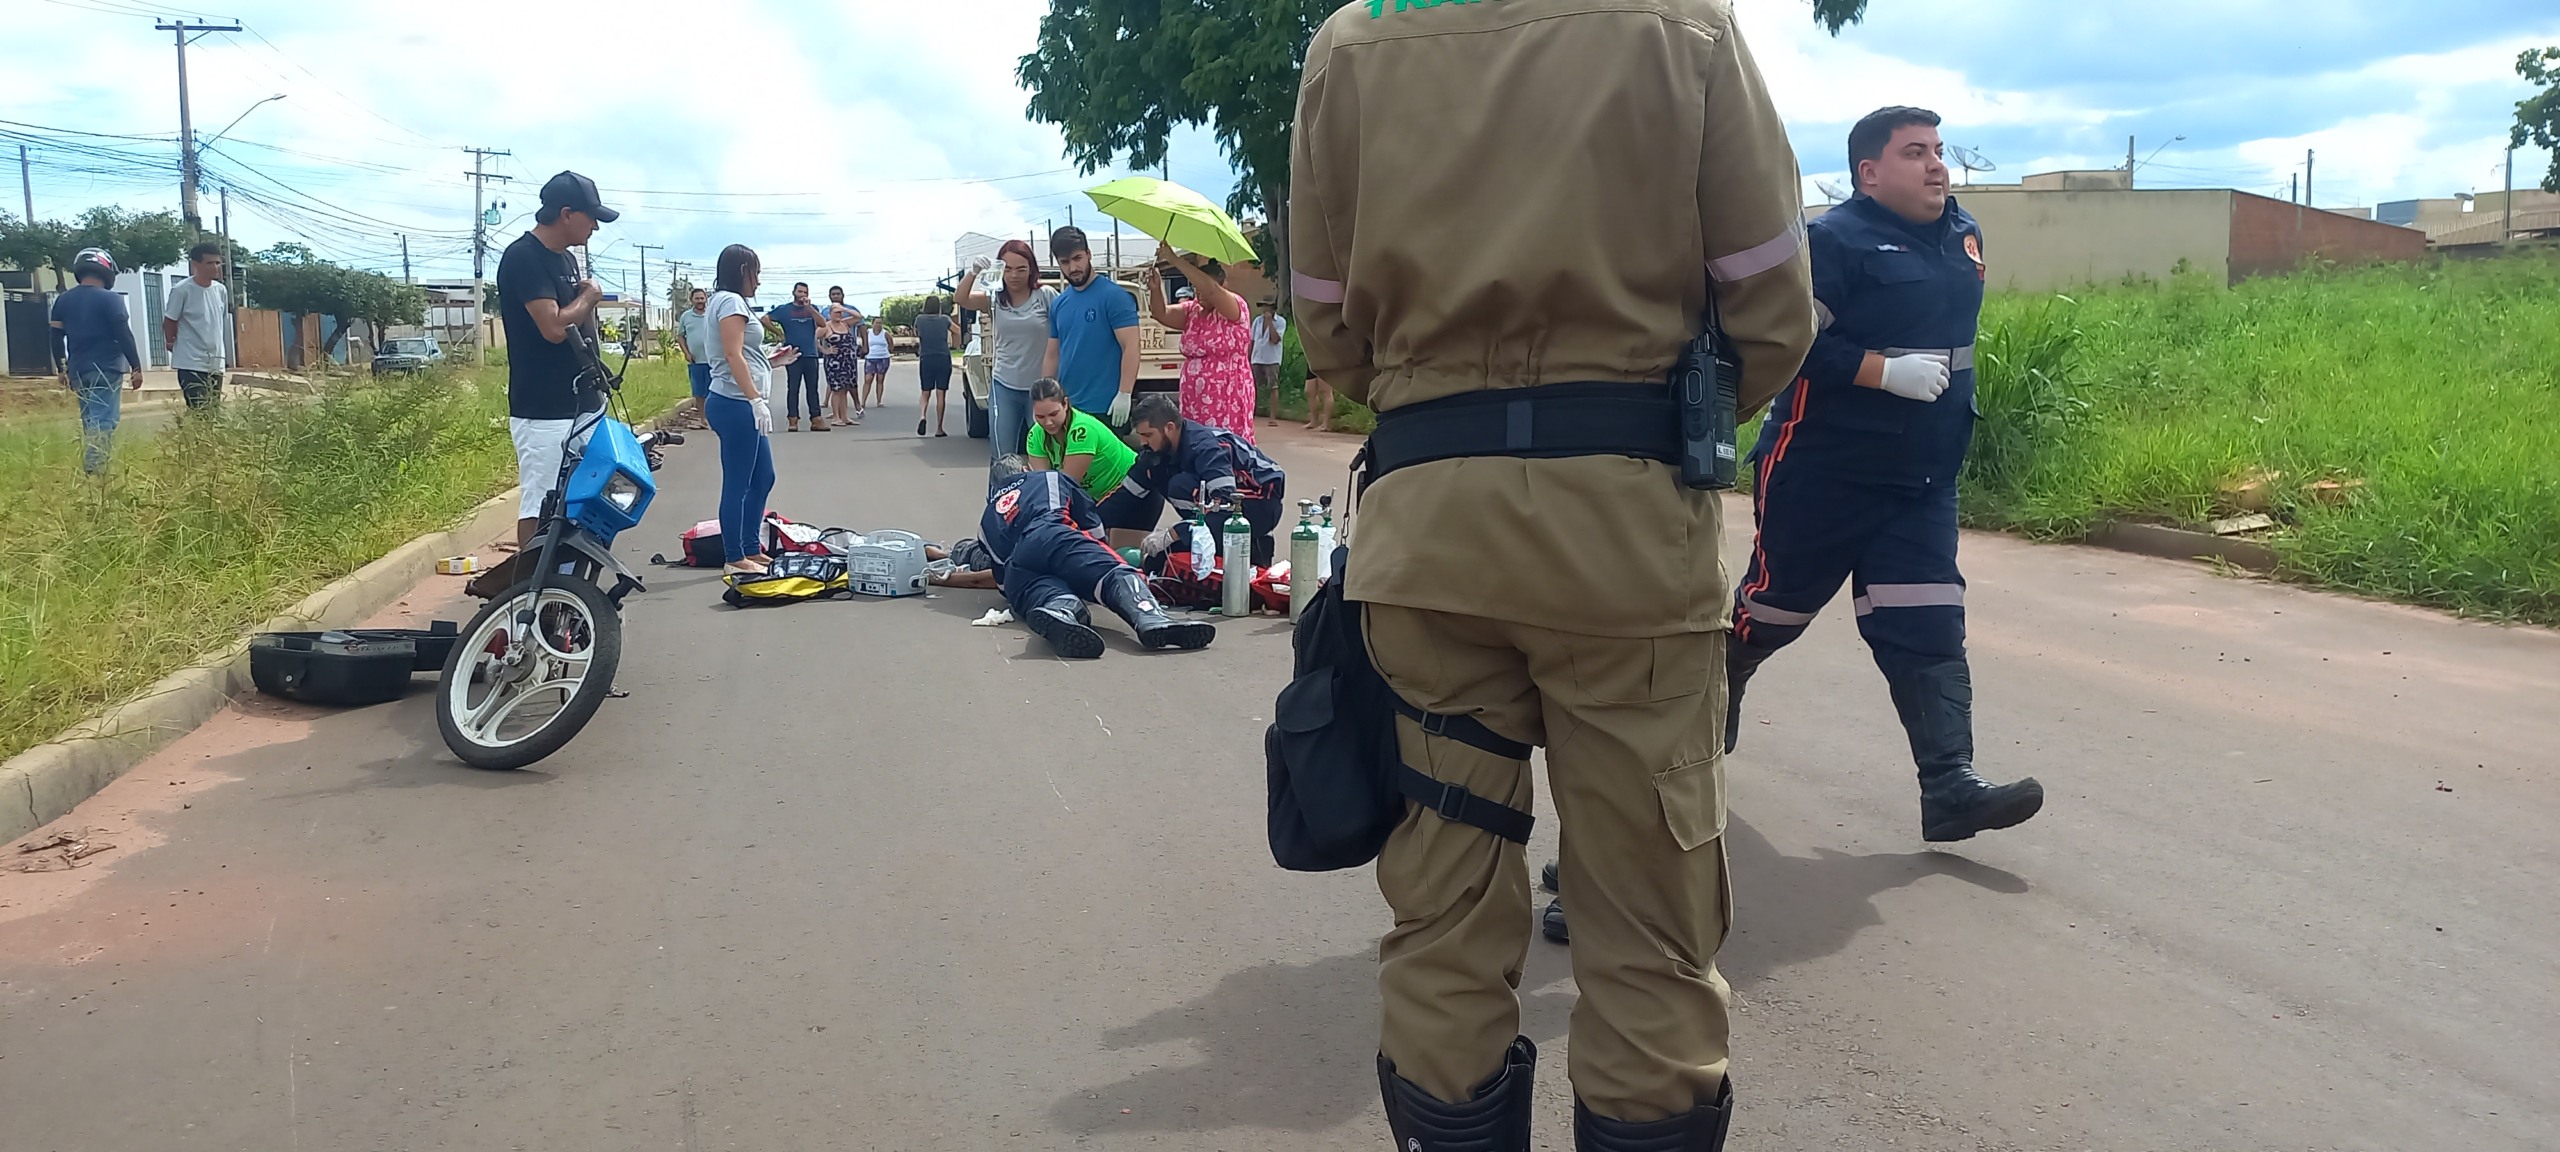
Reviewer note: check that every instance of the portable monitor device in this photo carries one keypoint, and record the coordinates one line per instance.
(886, 563)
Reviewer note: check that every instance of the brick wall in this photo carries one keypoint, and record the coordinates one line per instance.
(2270, 237)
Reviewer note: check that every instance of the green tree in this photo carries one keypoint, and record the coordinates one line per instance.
(2538, 116)
(1116, 77)
(289, 278)
(901, 311)
(136, 239)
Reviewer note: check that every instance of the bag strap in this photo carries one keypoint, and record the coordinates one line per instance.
(1454, 802)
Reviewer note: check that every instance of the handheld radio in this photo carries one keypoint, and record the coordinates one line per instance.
(1706, 388)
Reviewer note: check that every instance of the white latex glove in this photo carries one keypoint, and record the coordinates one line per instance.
(1918, 376)
(764, 414)
(1120, 408)
(978, 266)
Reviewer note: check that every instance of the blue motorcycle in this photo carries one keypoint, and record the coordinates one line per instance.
(535, 663)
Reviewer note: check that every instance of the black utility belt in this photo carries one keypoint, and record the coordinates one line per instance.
(1550, 421)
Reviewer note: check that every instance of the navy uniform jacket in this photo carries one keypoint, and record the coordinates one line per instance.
(1883, 284)
(1210, 465)
(1031, 513)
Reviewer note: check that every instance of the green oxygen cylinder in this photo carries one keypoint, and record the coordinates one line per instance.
(1235, 580)
(1304, 559)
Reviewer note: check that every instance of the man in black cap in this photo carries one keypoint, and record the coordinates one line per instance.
(541, 300)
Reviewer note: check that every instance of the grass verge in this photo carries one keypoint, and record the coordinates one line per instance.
(2426, 394)
(215, 525)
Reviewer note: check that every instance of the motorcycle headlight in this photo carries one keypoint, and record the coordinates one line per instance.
(622, 492)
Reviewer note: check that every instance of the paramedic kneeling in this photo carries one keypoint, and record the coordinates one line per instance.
(1045, 538)
(1196, 466)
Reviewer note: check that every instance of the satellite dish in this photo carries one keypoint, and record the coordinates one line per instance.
(1830, 191)
(1971, 161)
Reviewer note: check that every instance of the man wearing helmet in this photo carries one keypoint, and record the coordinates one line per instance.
(93, 342)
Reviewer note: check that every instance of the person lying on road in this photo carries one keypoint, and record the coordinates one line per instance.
(1044, 551)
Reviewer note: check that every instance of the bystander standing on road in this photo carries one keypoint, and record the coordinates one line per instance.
(1093, 333)
(799, 321)
(541, 298)
(935, 331)
(740, 410)
(1268, 328)
(841, 339)
(93, 341)
(1532, 568)
(875, 364)
(1217, 347)
(195, 323)
(1018, 330)
(693, 336)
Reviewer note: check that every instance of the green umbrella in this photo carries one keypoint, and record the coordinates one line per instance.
(1175, 215)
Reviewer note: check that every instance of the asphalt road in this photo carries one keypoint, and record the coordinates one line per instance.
(858, 875)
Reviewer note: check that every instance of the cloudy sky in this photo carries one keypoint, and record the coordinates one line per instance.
(852, 141)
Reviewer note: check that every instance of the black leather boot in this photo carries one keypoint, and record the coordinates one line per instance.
(1551, 922)
(1702, 1130)
(1935, 701)
(1125, 592)
(1063, 623)
(1740, 661)
(1495, 1119)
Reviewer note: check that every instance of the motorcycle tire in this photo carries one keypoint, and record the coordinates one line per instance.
(603, 659)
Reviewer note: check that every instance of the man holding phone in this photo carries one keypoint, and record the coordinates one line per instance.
(541, 299)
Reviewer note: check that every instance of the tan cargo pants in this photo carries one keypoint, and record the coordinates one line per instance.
(1632, 730)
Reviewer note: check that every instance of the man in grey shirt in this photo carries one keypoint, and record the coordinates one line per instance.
(693, 334)
(194, 323)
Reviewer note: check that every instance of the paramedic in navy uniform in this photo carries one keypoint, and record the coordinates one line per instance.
(1856, 463)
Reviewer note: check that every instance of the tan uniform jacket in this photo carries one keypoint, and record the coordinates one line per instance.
(1508, 193)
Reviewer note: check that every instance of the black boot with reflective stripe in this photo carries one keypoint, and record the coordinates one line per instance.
(1125, 593)
(1495, 1119)
(1935, 701)
(1740, 661)
(1702, 1130)
(1061, 622)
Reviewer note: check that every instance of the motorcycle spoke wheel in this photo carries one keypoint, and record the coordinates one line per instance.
(494, 714)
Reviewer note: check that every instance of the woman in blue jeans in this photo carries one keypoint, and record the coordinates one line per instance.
(738, 411)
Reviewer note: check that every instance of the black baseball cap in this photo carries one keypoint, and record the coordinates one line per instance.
(573, 192)
(1066, 242)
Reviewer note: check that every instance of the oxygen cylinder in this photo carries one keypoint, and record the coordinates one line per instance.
(1305, 562)
(1235, 581)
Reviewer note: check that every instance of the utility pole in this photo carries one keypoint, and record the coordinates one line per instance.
(480, 178)
(27, 183)
(2506, 227)
(2307, 156)
(230, 286)
(2295, 193)
(405, 278)
(186, 120)
(644, 287)
(2128, 155)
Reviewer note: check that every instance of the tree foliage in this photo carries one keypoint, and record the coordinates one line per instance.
(2538, 116)
(136, 239)
(1117, 76)
(901, 311)
(289, 278)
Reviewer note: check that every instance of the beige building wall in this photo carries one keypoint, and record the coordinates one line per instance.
(2040, 241)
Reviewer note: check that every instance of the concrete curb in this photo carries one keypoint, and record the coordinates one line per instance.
(2182, 544)
(42, 783)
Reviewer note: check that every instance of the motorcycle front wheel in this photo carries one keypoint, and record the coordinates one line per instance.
(501, 713)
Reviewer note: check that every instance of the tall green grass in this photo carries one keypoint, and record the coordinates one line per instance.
(219, 523)
(2437, 386)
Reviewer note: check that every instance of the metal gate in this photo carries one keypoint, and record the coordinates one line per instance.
(30, 337)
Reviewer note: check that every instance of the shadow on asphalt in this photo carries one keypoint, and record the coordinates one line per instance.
(419, 761)
(1293, 1046)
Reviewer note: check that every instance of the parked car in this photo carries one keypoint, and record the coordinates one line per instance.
(407, 354)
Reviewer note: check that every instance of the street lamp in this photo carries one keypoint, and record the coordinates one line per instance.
(235, 121)
(2155, 153)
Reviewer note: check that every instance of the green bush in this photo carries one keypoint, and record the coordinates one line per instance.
(215, 525)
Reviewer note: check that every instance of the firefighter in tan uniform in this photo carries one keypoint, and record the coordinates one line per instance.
(1528, 202)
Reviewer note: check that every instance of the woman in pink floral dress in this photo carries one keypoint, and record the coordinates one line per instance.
(1217, 343)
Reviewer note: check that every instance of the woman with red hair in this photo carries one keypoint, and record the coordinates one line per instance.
(1018, 322)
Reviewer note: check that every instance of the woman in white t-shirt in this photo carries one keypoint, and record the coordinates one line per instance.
(1018, 317)
(738, 411)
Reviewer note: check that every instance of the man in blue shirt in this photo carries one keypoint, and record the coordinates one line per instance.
(93, 341)
(799, 320)
(1093, 333)
(1857, 462)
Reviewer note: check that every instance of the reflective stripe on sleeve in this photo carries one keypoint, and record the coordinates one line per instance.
(1759, 257)
(1314, 288)
(1914, 596)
